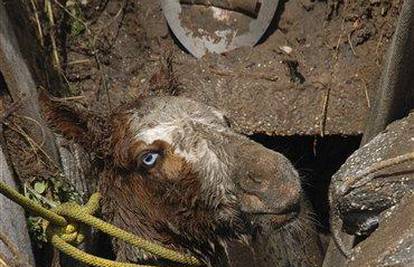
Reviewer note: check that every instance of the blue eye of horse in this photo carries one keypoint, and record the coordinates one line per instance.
(150, 158)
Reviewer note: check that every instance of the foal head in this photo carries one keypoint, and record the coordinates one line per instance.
(174, 172)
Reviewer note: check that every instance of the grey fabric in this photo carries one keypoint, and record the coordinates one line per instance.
(395, 95)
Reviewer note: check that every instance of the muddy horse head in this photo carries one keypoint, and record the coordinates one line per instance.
(174, 172)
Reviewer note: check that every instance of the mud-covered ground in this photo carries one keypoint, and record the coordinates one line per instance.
(114, 50)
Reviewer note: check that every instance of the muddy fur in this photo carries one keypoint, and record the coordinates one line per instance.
(207, 186)
(300, 241)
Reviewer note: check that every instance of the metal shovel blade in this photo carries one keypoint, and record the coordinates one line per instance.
(218, 26)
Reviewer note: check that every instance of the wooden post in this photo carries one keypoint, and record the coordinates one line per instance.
(16, 249)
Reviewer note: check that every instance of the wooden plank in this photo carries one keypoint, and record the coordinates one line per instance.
(13, 224)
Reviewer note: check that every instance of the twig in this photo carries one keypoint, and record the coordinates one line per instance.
(338, 43)
(39, 26)
(80, 61)
(339, 39)
(324, 111)
(38, 124)
(66, 81)
(52, 33)
(366, 92)
(379, 44)
(71, 98)
(350, 43)
(49, 202)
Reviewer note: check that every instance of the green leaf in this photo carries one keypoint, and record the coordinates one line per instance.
(40, 187)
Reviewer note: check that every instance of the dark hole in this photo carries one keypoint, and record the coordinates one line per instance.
(316, 159)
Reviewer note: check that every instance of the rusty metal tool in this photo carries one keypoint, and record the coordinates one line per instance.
(218, 26)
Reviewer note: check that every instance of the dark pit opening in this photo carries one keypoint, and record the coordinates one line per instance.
(317, 159)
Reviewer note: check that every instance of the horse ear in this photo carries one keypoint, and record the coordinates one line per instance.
(74, 121)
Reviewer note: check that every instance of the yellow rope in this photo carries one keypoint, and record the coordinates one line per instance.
(32, 206)
(61, 232)
(77, 213)
(87, 258)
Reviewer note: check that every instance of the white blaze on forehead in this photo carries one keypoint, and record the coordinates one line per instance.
(164, 132)
(208, 160)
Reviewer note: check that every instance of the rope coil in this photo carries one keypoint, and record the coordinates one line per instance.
(66, 220)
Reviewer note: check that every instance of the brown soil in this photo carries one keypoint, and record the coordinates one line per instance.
(322, 87)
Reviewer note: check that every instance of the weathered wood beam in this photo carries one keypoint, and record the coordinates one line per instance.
(13, 226)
